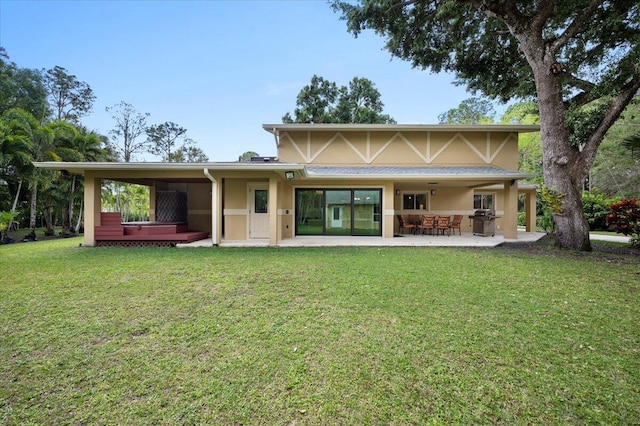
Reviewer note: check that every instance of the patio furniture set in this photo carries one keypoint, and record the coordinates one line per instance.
(429, 223)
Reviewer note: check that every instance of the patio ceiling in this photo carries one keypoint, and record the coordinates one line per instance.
(431, 175)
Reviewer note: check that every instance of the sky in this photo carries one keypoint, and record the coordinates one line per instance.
(218, 68)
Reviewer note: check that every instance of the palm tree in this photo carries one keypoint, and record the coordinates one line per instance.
(632, 143)
(16, 146)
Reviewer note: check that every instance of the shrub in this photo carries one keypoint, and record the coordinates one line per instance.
(545, 222)
(6, 220)
(596, 209)
(624, 217)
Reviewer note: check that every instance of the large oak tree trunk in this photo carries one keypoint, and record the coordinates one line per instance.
(562, 173)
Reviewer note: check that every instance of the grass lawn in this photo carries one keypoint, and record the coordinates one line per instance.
(317, 336)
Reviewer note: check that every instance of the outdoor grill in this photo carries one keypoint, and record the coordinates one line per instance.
(484, 222)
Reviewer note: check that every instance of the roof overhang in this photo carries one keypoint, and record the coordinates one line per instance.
(81, 167)
(276, 129)
(145, 173)
(436, 174)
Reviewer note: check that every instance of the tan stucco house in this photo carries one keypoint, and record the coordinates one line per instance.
(331, 179)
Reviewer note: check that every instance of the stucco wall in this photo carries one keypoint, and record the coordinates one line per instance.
(407, 148)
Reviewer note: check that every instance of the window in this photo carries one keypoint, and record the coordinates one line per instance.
(483, 201)
(260, 200)
(417, 201)
(338, 211)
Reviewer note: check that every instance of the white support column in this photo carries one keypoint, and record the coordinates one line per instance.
(388, 209)
(152, 202)
(92, 207)
(510, 218)
(273, 211)
(216, 200)
(531, 212)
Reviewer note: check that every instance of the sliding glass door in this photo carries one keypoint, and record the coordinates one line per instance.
(367, 212)
(338, 211)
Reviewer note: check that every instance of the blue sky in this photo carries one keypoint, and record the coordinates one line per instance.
(218, 68)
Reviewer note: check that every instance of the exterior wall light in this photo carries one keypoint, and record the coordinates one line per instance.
(397, 192)
(433, 192)
(288, 175)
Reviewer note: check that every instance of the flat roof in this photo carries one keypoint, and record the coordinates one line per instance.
(80, 167)
(519, 128)
(434, 173)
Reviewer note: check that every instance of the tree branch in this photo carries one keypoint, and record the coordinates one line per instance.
(586, 87)
(574, 27)
(504, 10)
(545, 9)
(623, 99)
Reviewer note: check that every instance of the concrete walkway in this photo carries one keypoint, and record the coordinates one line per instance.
(464, 240)
(616, 238)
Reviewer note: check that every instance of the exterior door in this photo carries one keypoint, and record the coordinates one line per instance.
(336, 217)
(258, 211)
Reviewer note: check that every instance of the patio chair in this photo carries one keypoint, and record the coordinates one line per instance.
(455, 224)
(443, 224)
(404, 225)
(428, 224)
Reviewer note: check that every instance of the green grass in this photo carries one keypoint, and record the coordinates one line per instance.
(317, 336)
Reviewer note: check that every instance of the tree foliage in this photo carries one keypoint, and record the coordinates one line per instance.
(70, 97)
(130, 125)
(246, 156)
(579, 59)
(616, 168)
(163, 139)
(188, 152)
(632, 143)
(470, 111)
(322, 101)
(22, 88)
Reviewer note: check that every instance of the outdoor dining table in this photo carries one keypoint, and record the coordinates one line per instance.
(415, 221)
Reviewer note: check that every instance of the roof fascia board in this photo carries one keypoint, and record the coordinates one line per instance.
(80, 167)
(520, 128)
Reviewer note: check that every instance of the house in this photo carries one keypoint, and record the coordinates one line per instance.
(329, 179)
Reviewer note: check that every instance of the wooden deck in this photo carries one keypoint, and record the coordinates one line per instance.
(112, 232)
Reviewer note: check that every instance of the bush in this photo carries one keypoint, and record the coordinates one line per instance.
(624, 217)
(545, 222)
(6, 220)
(596, 209)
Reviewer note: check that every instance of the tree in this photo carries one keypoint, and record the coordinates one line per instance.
(314, 102)
(470, 111)
(188, 153)
(579, 59)
(17, 137)
(632, 143)
(323, 102)
(130, 125)
(616, 169)
(529, 144)
(70, 98)
(22, 88)
(360, 103)
(36, 145)
(163, 138)
(246, 157)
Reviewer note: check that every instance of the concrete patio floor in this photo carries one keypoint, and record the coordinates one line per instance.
(406, 240)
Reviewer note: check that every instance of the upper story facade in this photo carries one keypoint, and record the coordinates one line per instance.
(399, 145)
